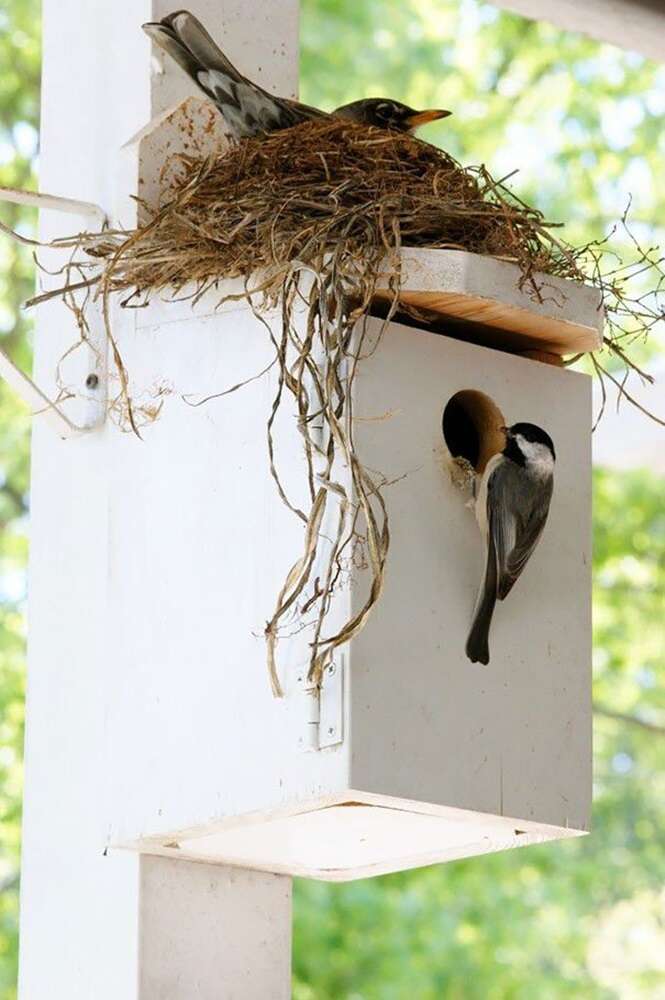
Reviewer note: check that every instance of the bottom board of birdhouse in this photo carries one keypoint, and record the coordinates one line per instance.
(351, 837)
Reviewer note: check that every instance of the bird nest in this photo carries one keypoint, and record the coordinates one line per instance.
(310, 218)
(323, 189)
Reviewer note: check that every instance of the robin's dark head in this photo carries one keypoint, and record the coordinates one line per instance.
(384, 113)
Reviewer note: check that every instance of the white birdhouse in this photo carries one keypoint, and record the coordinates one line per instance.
(410, 754)
(156, 564)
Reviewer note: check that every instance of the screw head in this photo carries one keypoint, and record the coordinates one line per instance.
(92, 381)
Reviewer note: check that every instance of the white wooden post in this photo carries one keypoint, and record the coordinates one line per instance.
(83, 933)
(207, 932)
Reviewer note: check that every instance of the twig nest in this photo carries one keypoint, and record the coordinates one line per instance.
(295, 195)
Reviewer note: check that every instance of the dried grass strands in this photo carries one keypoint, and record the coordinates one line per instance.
(318, 369)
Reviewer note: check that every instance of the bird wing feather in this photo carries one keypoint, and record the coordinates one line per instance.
(517, 508)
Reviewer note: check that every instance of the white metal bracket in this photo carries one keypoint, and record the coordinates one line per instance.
(324, 708)
(331, 717)
(94, 388)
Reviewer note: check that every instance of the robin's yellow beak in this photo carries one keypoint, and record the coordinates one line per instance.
(423, 117)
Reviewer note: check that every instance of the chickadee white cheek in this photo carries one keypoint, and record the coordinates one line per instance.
(539, 457)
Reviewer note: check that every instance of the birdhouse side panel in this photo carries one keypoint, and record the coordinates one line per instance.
(511, 738)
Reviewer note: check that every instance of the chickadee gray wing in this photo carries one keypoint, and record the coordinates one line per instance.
(493, 529)
(477, 643)
(512, 510)
(519, 507)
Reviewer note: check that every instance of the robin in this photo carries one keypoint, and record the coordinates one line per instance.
(247, 108)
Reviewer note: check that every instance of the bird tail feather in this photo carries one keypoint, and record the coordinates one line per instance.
(185, 39)
(201, 44)
(477, 644)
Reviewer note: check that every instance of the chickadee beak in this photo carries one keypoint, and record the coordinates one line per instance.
(423, 117)
(506, 431)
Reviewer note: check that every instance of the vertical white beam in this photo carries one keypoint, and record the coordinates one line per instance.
(212, 933)
(79, 908)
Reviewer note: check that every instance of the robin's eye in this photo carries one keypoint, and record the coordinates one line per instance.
(384, 110)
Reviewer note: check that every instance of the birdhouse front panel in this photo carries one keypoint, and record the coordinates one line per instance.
(511, 738)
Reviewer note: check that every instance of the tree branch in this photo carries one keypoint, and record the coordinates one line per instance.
(10, 882)
(631, 720)
(15, 496)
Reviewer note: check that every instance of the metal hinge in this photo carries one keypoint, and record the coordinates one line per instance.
(94, 377)
(324, 709)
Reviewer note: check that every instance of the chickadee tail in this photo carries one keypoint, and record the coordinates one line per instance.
(477, 644)
(187, 42)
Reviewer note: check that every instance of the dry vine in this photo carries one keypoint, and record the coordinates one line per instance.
(312, 219)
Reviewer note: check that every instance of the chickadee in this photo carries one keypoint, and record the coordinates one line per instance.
(511, 509)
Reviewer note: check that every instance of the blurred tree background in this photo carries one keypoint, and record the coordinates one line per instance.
(19, 120)
(584, 123)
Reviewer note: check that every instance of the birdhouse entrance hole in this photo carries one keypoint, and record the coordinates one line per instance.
(472, 425)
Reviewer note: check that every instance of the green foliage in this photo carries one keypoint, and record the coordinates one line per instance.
(19, 116)
(577, 919)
